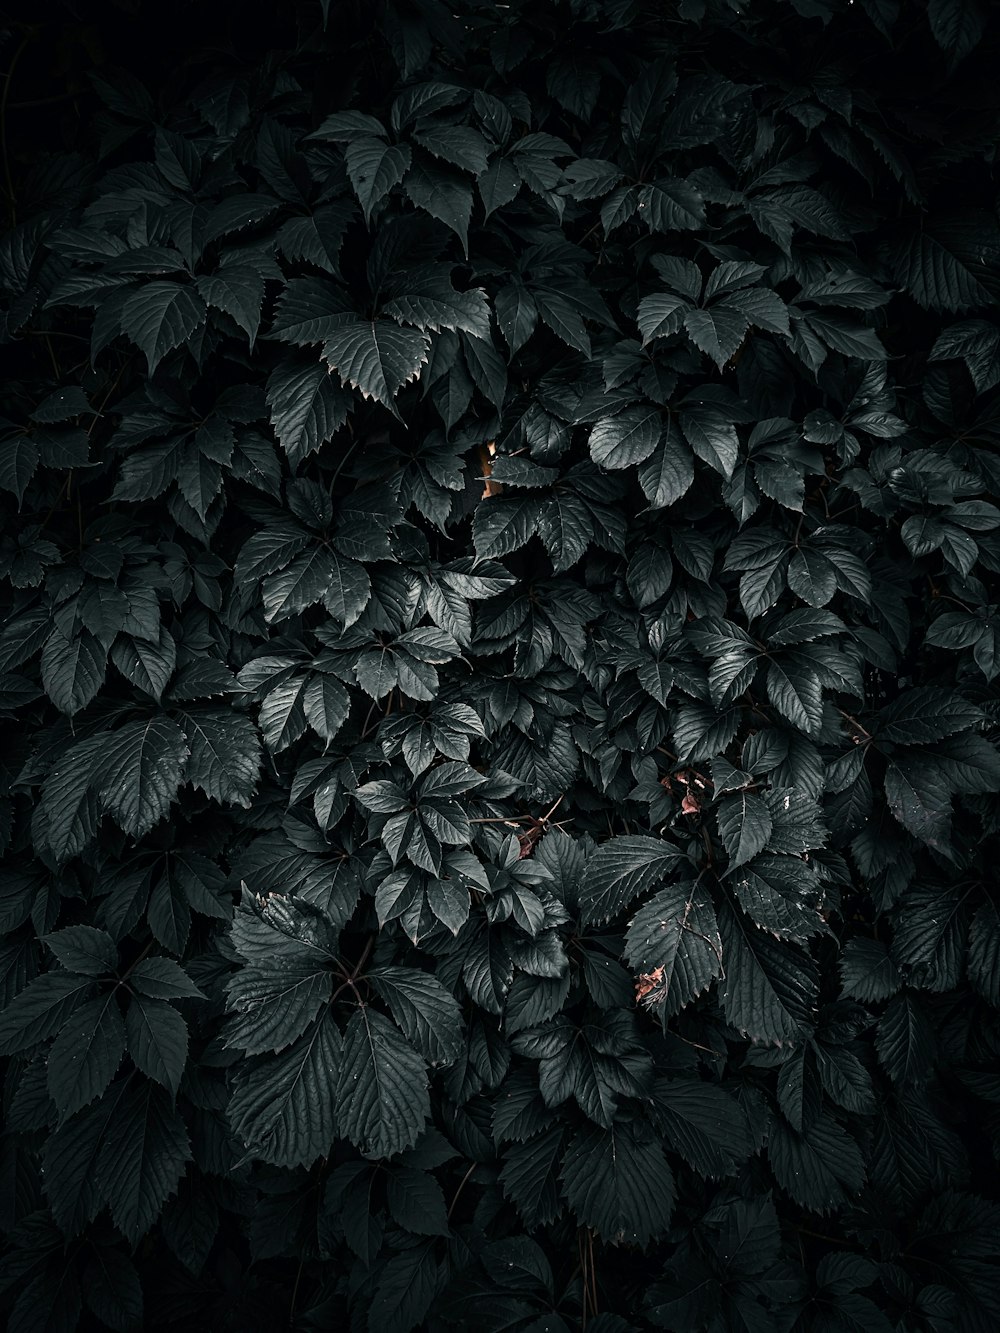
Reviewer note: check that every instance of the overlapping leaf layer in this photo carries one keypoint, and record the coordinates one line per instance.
(498, 670)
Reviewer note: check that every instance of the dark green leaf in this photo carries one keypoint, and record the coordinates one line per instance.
(18, 460)
(769, 991)
(307, 406)
(157, 1040)
(745, 826)
(620, 870)
(73, 669)
(143, 1154)
(140, 769)
(376, 356)
(374, 168)
(41, 1009)
(427, 1013)
(618, 1182)
(160, 316)
(381, 1091)
(282, 1106)
(225, 755)
(617, 442)
(86, 1053)
(673, 944)
(84, 950)
(416, 1202)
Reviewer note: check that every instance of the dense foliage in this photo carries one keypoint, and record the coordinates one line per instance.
(499, 668)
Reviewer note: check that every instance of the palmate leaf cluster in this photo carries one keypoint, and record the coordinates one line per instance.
(498, 669)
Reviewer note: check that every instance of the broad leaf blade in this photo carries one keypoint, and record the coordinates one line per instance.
(620, 870)
(382, 1101)
(140, 770)
(618, 1182)
(160, 316)
(143, 1154)
(85, 1055)
(282, 1106)
(376, 357)
(673, 945)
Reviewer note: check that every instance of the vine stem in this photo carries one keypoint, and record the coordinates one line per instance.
(594, 1305)
(461, 1186)
(584, 1280)
(345, 456)
(946, 597)
(364, 957)
(295, 1292)
(347, 983)
(819, 1235)
(134, 964)
(8, 179)
(349, 978)
(588, 1275)
(104, 401)
(364, 729)
(697, 1045)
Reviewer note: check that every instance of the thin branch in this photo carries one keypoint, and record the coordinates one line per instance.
(43, 101)
(552, 809)
(856, 724)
